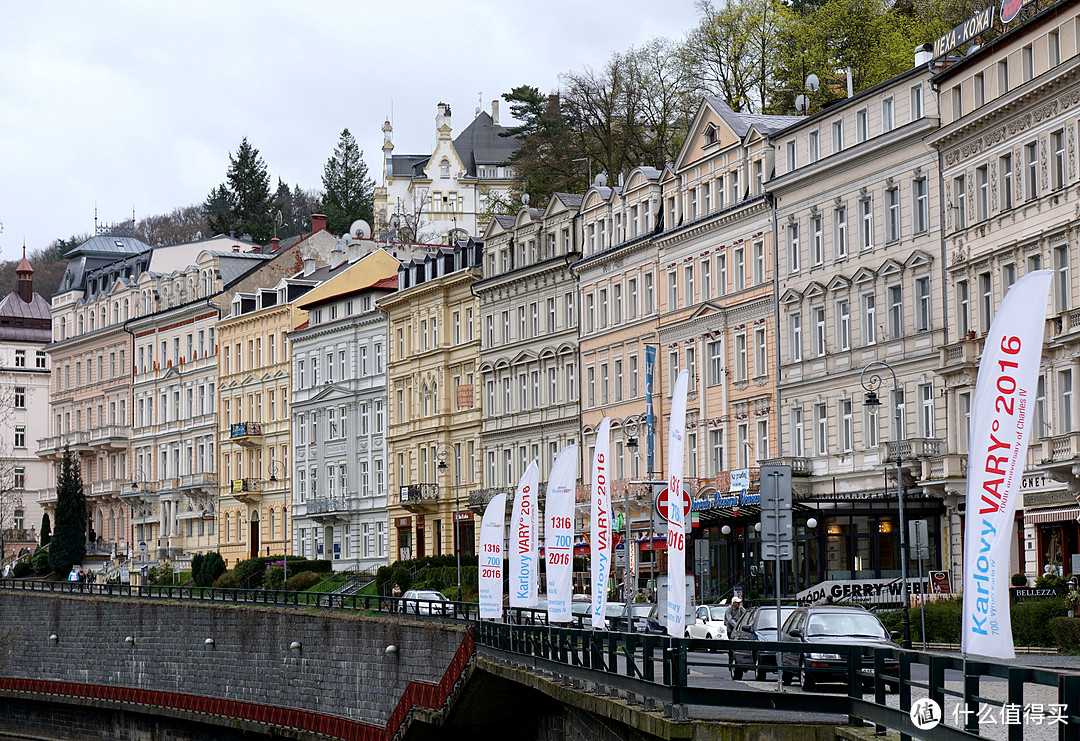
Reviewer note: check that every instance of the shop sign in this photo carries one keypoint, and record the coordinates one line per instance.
(970, 28)
(857, 590)
(1011, 8)
(1034, 592)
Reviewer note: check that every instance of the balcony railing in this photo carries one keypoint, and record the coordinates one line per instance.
(244, 429)
(914, 448)
(415, 493)
(799, 466)
(57, 443)
(109, 486)
(45, 496)
(110, 434)
(479, 498)
(246, 485)
(324, 505)
(198, 481)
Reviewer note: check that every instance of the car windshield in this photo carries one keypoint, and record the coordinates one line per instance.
(642, 610)
(614, 609)
(717, 613)
(767, 617)
(848, 624)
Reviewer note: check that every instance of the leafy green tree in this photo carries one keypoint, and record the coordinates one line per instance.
(242, 204)
(349, 191)
(46, 530)
(69, 541)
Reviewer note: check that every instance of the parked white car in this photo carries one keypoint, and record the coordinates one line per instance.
(424, 602)
(708, 623)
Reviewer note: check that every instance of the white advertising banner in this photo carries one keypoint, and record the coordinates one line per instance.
(559, 534)
(676, 520)
(491, 559)
(524, 549)
(600, 535)
(1000, 426)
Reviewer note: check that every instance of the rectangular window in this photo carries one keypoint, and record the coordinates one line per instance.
(821, 429)
(957, 101)
(551, 314)
(846, 432)
(819, 331)
(818, 244)
(740, 269)
(761, 357)
(960, 209)
(743, 442)
(926, 410)
(649, 296)
(1065, 384)
(795, 335)
(861, 126)
(633, 376)
(837, 135)
(922, 297)
(963, 308)
(892, 214)
(716, 362)
(1057, 159)
(1027, 61)
(797, 432)
(887, 115)
(986, 304)
(631, 298)
(793, 248)
(870, 428)
(716, 450)
(840, 221)
(1003, 76)
(20, 397)
(982, 193)
(812, 145)
(672, 291)
(866, 223)
(1053, 44)
(1039, 428)
(688, 284)
(896, 312)
(1006, 181)
(616, 309)
(1061, 278)
(791, 161)
(20, 436)
(740, 357)
(1031, 159)
(916, 102)
(706, 279)
(869, 328)
(843, 325)
(721, 275)
(759, 262)
(979, 85)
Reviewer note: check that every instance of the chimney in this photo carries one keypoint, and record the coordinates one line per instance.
(337, 255)
(923, 54)
(318, 222)
(442, 117)
(309, 266)
(355, 250)
(25, 277)
(495, 111)
(275, 244)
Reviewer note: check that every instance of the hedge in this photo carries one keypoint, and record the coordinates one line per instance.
(1030, 621)
(21, 569)
(1066, 632)
(303, 580)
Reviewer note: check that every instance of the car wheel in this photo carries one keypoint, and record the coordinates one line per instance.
(892, 687)
(736, 673)
(808, 682)
(786, 677)
(759, 674)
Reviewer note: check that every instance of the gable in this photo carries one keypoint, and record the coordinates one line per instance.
(698, 144)
(839, 283)
(890, 267)
(814, 289)
(864, 275)
(918, 259)
(791, 296)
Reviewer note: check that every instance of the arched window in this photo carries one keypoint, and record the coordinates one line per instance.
(127, 309)
(273, 524)
(228, 531)
(79, 324)
(444, 168)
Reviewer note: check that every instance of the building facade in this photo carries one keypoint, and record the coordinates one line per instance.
(25, 330)
(528, 343)
(1007, 144)
(433, 437)
(859, 265)
(446, 195)
(339, 415)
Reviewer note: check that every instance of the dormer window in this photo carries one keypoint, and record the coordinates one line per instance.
(710, 135)
(444, 168)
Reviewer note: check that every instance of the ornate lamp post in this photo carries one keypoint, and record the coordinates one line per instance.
(442, 450)
(872, 384)
(279, 466)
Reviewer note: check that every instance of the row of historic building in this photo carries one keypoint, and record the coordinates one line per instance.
(362, 400)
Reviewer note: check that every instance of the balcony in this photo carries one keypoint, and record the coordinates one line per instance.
(45, 496)
(913, 448)
(1059, 456)
(108, 486)
(110, 437)
(799, 466)
(248, 434)
(947, 466)
(419, 498)
(329, 509)
(52, 448)
(964, 353)
(248, 491)
(479, 498)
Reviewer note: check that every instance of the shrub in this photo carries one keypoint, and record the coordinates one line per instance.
(1031, 621)
(274, 578)
(40, 561)
(1049, 581)
(248, 573)
(1066, 631)
(1019, 580)
(227, 580)
(21, 569)
(206, 569)
(160, 575)
(401, 577)
(303, 580)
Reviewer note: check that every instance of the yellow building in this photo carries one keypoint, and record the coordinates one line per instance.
(434, 407)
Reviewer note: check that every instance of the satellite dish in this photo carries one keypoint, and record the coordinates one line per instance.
(812, 83)
(525, 199)
(601, 180)
(360, 229)
(802, 103)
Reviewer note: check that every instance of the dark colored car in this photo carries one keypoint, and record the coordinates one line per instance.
(758, 624)
(656, 622)
(836, 625)
(639, 613)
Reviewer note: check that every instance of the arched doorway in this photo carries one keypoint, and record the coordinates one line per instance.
(253, 537)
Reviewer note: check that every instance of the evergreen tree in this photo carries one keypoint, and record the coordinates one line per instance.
(69, 542)
(349, 190)
(242, 205)
(46, 530)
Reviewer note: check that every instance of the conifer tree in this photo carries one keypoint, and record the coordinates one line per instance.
(46, 530)
(242, 205)
(69, 541)
(350, 192)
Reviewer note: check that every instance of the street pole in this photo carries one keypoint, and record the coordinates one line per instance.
(457, 523)
(776, 568)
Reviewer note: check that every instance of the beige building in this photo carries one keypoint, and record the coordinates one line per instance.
(435, 410)
(717, 320)
(528, 343)
(859, 265)
(1008, 142)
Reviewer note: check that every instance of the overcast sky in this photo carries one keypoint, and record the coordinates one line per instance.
(138, 104)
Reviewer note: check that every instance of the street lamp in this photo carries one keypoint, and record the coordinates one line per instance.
(631, 426)
(279, 466)
(442, 450)
(138, 477)
(872, 384)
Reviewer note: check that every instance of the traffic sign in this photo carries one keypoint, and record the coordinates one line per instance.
(661, 502)
(775, 483)
(776, 524)
(768, 551)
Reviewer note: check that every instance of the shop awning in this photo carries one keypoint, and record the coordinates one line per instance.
(1051, 515)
